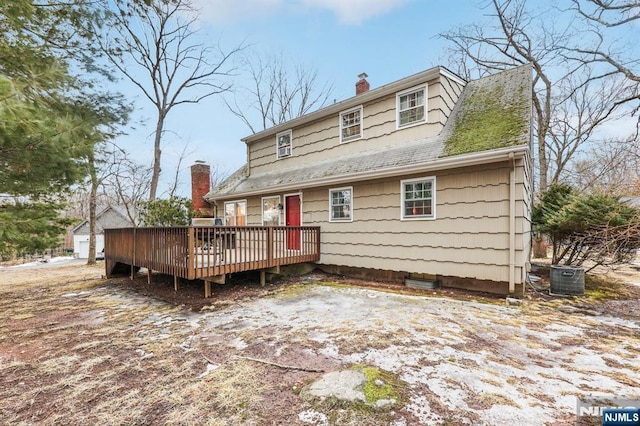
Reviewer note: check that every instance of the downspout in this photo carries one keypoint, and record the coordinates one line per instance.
(512, 224)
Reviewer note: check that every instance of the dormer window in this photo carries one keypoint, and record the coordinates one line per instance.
(284, 146)
(411, 106)
(351, 124)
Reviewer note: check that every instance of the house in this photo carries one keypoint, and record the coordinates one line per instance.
(429, 177)
(109, 217)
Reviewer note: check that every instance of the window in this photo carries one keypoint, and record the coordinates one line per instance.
(341, 205)
(418, 198)
(351, 124)
(411, 106)
(235, 213)
(283, 143)
(271, 211)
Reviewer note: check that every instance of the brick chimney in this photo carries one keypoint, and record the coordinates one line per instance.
(362, 85)
(200, 186)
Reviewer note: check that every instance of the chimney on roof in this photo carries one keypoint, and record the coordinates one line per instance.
(200, 186)
(362, 85)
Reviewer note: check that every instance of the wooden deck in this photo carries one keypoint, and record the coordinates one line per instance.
(207, 252)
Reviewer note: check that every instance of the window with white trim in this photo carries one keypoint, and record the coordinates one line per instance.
(235, 213)
(418, 198)
(271, 211)
(351, 124)
(284, 145)
(341, 204)
(411, 106)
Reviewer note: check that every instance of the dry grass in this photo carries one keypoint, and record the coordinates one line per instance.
(486, 400)
(60, 365)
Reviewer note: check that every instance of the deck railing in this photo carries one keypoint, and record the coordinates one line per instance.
(204, 251)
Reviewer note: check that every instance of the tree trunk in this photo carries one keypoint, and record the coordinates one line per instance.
(542, 163)
(155, 177)
(92, 210)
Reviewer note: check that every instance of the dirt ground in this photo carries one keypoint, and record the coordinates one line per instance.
(76, 348)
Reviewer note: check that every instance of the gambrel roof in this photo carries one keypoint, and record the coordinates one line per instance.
(491, 119)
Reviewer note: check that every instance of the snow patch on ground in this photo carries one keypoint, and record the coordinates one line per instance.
(313, 417)
(44, 262)
(477, 362)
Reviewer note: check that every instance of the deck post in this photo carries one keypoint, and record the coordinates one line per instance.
(192, 262)
(270, 256)
(218, 279)
(263, 277)
(133, 254)
(149, 273)
(175, 283)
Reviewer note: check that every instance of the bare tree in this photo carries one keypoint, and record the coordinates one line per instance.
(276, 93)
(602, 15)
(580, 108)
(611, 166)
(511, 40)
(607, 12)
(162, 57)
(127, 183)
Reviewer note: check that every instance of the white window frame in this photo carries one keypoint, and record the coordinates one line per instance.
(424, 88)
(359, 109)
(331, 191)
(432, 216)
(279, 211)
(235, 217)
(290, 151)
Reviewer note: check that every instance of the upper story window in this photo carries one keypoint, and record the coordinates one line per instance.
(411, 106)
(284, 145)
(351, 124)
(418, 198)
(341, 204)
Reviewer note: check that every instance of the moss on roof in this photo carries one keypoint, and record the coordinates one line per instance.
(492, 116)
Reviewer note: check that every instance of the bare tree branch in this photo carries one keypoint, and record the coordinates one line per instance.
(275, 93)
(607, 12)
(160, 40)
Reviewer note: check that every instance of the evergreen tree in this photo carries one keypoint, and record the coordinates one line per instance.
(596, 228)
(48, 129)
(174, 211)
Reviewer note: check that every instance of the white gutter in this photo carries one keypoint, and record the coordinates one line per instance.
(512, 224)
(464, 160)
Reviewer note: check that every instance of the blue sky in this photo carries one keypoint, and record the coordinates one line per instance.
(387, 39)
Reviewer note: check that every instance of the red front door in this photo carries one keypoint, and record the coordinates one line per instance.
(292, 218)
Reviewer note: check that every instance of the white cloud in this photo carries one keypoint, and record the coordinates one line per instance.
(353, 12)
(348, 12)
